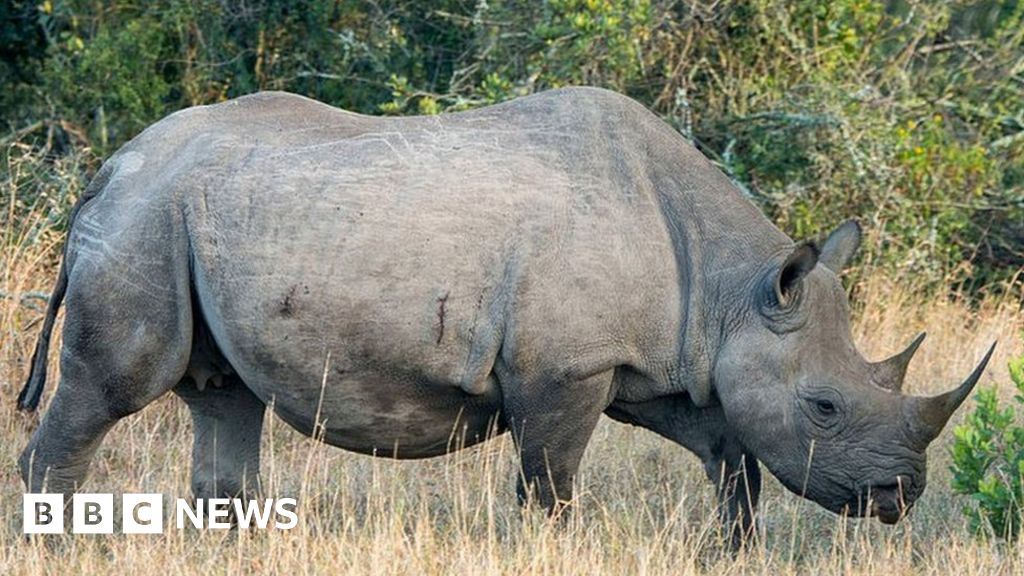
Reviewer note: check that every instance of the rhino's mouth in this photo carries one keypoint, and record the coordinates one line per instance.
(888, 502)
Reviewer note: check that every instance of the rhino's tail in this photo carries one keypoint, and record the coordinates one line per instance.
(32, 391)
(28, 399)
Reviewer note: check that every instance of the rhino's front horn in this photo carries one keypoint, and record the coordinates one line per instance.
(929, 414)
(889, 373)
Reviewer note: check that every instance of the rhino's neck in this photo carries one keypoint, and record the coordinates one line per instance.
(720, 239)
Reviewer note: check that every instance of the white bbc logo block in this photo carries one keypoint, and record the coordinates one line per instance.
(142, 513)
(92, 514)
(43, 513)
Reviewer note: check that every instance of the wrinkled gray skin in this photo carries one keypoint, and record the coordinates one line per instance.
(419, 284)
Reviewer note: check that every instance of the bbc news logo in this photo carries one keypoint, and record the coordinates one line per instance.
(144, 513)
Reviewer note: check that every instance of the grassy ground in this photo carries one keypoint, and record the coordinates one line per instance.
(644, 506)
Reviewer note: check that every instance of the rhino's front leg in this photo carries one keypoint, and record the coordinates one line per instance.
(551, 426)
(737, 475)
(706, 433)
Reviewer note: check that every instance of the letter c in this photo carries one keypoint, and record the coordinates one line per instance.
(137, 518)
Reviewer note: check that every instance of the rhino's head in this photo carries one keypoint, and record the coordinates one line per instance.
(829, 424)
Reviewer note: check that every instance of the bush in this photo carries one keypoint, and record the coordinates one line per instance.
(904, 114)
(988, 461)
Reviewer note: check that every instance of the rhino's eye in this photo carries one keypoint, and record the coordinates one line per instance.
(824, 408)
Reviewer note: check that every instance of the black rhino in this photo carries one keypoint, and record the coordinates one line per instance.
(422, 282)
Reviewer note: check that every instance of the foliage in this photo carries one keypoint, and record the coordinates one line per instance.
(988, 461)
(906, 114)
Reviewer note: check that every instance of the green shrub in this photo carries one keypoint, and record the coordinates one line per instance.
(988, 461)
(907, 115)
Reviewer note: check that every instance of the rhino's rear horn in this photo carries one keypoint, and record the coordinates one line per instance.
(889, 373)
(929, 414)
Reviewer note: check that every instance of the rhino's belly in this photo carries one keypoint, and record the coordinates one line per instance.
(373, 376)
(403, 359)
(372, 414)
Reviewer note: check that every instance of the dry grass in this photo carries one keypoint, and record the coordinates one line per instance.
(644, 506)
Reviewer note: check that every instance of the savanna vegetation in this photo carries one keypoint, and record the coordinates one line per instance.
(908, 115)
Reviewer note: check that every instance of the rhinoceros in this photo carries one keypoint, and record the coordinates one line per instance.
(408, 286)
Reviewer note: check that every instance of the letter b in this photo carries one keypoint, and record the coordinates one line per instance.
(92, 514)
(43, 513)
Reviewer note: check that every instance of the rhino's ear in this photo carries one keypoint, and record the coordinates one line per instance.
(841, 245)
(791, 274)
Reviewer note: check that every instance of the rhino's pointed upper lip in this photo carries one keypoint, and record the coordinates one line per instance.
(889, 515)
(889, 511)
(888, 502)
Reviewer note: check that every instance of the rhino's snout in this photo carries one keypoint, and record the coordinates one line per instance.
(890, 502)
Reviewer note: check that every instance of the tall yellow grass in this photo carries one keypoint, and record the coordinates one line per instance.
(643, 507)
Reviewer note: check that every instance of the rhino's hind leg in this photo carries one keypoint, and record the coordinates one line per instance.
(57, 457)
(551, 431)
(227, 421)
(112, 365)
(737, 475)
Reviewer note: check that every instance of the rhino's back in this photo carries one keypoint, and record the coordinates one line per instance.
(421, 239)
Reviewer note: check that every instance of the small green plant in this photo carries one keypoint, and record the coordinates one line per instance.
(988, 461)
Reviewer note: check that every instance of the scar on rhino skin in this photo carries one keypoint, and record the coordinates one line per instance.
(441, 301)
(287, 306)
